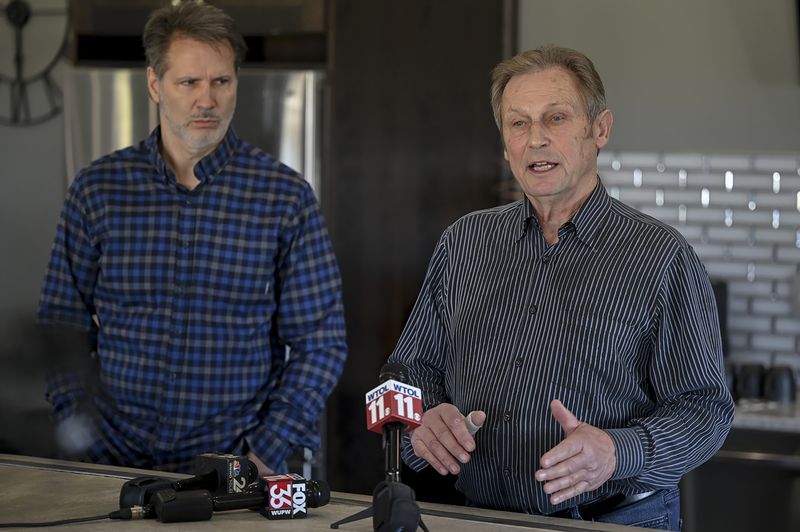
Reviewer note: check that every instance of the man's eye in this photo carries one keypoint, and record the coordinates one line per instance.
(223, 81)
(187, 82)
(557, 118)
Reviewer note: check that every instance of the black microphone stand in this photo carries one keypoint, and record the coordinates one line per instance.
(390, 493)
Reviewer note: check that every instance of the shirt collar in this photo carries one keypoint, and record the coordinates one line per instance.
(205, 170)
(586, 220)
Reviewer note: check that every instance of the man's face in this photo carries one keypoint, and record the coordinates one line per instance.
(196, 96)
(549, 143)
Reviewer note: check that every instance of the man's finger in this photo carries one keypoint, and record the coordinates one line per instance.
(564, 417)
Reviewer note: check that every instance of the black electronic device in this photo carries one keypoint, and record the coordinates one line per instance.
(216, 473)
(170, 506)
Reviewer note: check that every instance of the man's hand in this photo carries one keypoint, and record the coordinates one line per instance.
(443, 439)
(263, 469)
(582, 462)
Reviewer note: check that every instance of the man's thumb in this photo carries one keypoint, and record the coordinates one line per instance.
(564, 417)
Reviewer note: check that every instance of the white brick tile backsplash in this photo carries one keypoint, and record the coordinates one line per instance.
(632, 160)
(775, 201)
(613, 178)
(723, 198)
(669, 216)
(788, 325)
(757, 183)
(604, 158)
(684, 160)
(681, 197)
(738, 305)
(726, 270)
(756, 288)
(653, 179)
(708, 215)
(727, 234)
(738, 341)
(789, 254)
(696, 180)
(790, 218)
(774, 271)
(750, 252)
(784, 237)
(773, 342)
(771, 308)
(771, 164)
(790, 182)
(692, 233)
(710, 251)
(744, 216)
(729, 162)
(736, 243)
(633, 196)
(782, 289)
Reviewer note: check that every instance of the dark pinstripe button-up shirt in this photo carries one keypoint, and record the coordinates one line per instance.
(198, 294)
(617, 320)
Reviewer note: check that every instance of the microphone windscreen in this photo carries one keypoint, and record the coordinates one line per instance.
(393, 371)
(318, 493)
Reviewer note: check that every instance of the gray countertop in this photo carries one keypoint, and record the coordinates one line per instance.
(767, 415)
(37, 489)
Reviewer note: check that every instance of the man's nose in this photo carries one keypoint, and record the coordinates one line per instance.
(205, 97)
(538, 135)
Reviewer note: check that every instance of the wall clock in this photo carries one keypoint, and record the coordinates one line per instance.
(33, 37)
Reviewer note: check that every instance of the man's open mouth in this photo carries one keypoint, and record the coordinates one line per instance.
(542, 166)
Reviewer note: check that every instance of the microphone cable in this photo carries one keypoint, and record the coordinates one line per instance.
(124, 513)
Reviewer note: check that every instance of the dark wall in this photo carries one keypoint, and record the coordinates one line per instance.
(412, 147)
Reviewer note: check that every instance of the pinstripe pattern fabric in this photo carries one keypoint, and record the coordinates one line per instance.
(197, 293)
(617, 320)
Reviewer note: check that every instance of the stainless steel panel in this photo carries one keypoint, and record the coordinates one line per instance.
(277, 110)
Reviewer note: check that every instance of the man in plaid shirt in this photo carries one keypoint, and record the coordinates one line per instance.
(201, 270)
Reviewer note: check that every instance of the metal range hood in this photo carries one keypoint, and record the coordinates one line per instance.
(276, 31)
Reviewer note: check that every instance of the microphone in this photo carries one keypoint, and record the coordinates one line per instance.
(216, 473)
(278, 497)
(220, 473)
(392, 407)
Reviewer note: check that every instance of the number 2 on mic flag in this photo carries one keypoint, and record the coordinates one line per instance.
(394, 401)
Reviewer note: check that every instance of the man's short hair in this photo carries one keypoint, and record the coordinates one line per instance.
(590, 85)
(193, 19)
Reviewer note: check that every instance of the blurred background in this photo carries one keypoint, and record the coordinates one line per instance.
(395, 131)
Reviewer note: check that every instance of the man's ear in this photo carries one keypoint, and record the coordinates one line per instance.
(601, 129)
(152, 85)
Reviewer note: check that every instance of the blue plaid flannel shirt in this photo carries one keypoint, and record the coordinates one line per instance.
(197, 295)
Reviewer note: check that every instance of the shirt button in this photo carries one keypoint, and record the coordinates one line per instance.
(173, 377)
(518, 362)
(507, 471)
(532, 309)
(546, 259)
(507, 415)
(186, 243)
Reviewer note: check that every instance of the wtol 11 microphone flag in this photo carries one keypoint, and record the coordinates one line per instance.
(393, 401)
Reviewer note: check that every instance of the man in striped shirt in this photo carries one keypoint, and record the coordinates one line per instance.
(202, 271)
(582, 331)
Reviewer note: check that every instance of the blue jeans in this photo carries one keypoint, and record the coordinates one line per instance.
(661, 511)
